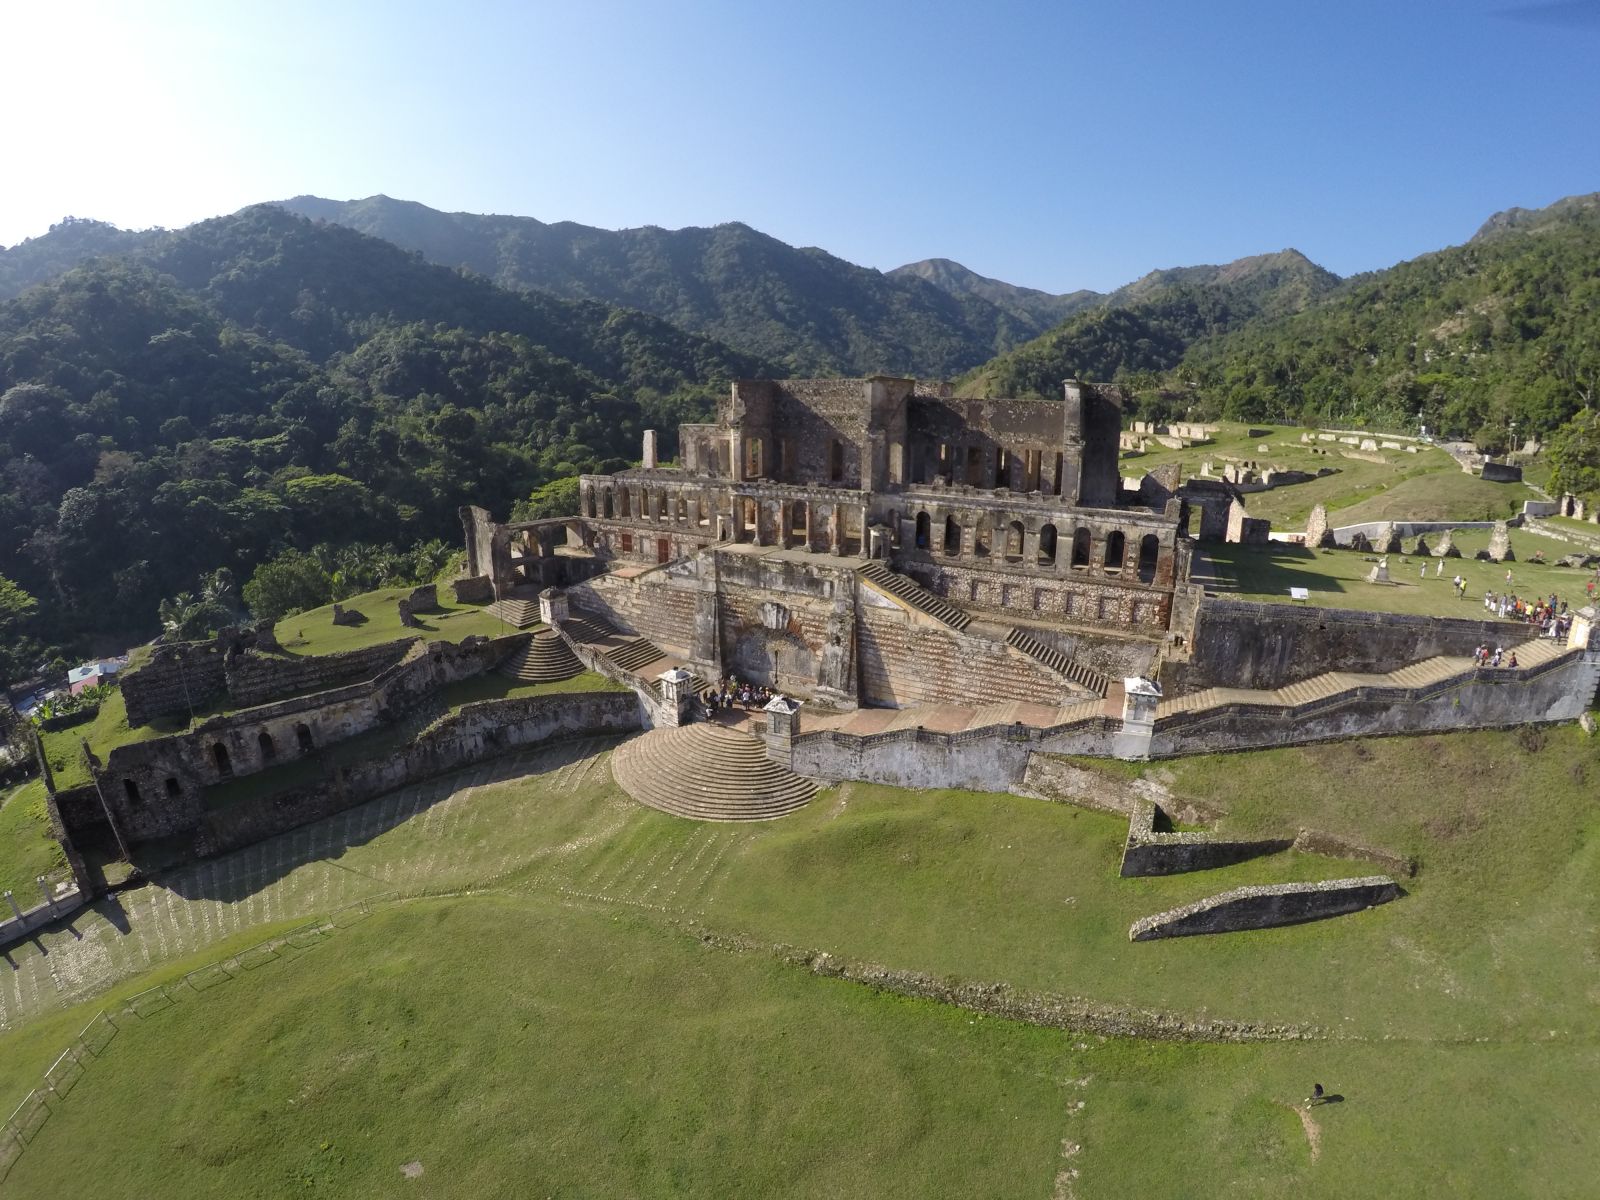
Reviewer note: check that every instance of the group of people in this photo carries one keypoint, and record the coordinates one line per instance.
(729, 692)
(1497, 657)
(1548, 613)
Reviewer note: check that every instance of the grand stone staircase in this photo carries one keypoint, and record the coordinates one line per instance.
(1085, 677)
(545, 659)
(1321, 687)
(908, 591)
(708, 773)
(518, 611)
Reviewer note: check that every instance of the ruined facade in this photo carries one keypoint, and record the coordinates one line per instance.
(1009, 513)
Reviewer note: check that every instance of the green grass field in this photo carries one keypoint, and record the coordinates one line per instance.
(314, 632)
(1426, 486)
(553, 1027)
(27, 850)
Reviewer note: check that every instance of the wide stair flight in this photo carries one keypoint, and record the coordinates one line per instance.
(545, 659)
(910, 592)
(708, 773)
(1085, 677)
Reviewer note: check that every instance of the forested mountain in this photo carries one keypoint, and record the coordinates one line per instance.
(1028, 304)
(68, 244)
(1150, 324)
(1466, 340)
(802, 308)
(260, 381)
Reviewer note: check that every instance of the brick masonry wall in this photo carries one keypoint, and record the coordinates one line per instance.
(189, 674)
(1089, 601)
(654, 607)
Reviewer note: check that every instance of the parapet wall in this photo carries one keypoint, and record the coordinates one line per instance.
(1244, 644)
(477, 733)
(1267, 905)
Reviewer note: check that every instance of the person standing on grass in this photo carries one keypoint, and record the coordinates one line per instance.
(1438, 571)
(1317, 1095)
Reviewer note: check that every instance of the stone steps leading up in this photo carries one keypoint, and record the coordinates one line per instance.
(635, 653)
(909, 591)
(1085, 677)
(545, 659)
(520, 613)
(1425, 673)
(708, 773)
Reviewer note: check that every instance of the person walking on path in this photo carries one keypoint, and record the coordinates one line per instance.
(1317, 1095)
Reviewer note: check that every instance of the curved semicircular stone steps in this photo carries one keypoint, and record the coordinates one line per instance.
(545, 659)
(708, 773)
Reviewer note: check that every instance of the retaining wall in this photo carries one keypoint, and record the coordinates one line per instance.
(258, 679)
(1265, 906)
(1148, 852)
(1248, 644)
(477, 733)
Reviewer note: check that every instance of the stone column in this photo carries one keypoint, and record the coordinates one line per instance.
(863, 552)
(838, 529)
(44, 890)
(552, 606)
(1139, 700)
(877, 542)
(1030, 546)
(783, 722)
(760, 511)
(677, 694)
(12, 900)
(649, 461)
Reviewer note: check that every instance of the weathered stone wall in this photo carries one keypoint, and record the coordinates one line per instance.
(1560, 690)
(1053, 777)
(1149, 852)
(178, 678)
(477, 733)
(656, 607)
(259, 679)
(1242, 644)
(1088, 599)
(1267, 905)
(156, 788)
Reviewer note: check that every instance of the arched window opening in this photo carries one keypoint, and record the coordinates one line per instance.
(705, 509)
(627, 503)
(1115, 545)
(750, 516)
(1002, 468)
(836, 460)
(952, 536)
(1014, 541)
(610, 508)
(924, 530)
(1080, 548)
(980, 538)
(302, 737)
(752, 458)
(1149, 555)
(661, 506)
(1047, 545)
(173, 791)
(588, 504)
(132, 789)
(268, 750)
(683, 508)
(797, 519)
(219, 755)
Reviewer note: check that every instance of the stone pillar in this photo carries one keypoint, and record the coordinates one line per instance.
(1139, 699)
(44, 890)
(760, 511)
(649, 461)
(783, 722)
(877, 542)
(838, 529)
(12, 900)
(552, 606)
(1585, 631)
(1030, 546)
(865, 547)
(677, 694)
(811, 535)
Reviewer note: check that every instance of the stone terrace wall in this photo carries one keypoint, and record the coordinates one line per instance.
(477, 733)
(1560, 690)
(905, 661)
(1267, 905)
(655, 607)
(1245, 644)
(254, 678)
(989, 760)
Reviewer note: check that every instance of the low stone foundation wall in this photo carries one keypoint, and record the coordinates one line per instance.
(1055, 778)
(1265, 906)
(1148, 852)
(260, 679)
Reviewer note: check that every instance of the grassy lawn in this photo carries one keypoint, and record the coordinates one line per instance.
(553, 1031)
(1426, 486)
(314, 632)
(108, 730)
(1337, 578)
(609, 1057)
(27, 850)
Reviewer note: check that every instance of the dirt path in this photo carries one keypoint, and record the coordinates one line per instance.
(1313, 1130)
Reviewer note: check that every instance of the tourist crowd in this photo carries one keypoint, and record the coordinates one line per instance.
(1484, 657)
(729, 692)
(1549, 613)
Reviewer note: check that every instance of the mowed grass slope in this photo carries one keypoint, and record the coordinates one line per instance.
(517, 1046)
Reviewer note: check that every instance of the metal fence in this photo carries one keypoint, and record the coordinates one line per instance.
(29, 1117)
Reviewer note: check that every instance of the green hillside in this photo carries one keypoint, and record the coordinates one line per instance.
(260, 381)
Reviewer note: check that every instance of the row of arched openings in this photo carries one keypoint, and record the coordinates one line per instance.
(1013, 537)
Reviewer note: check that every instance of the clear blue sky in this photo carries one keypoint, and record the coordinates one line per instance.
(1060, 145)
